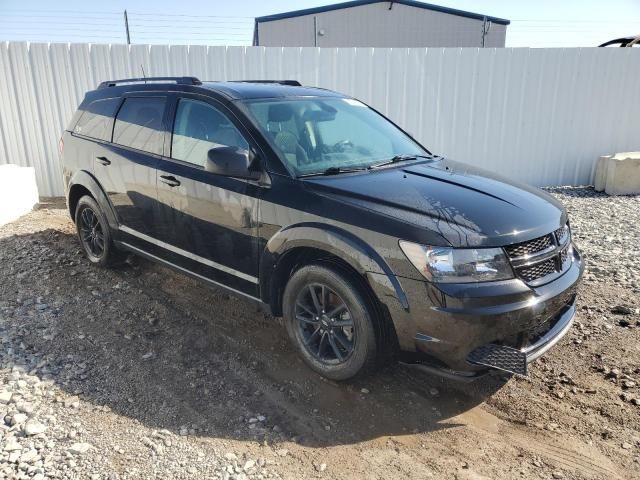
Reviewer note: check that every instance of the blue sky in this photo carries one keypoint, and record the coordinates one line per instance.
(534, 23)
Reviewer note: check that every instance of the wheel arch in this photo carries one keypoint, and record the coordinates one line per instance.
(83, 183)
(298, 244)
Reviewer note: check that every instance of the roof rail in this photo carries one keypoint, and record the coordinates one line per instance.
(177, 80)
(291, 83)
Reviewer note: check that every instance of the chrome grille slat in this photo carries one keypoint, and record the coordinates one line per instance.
(541, 258)
(525, 249)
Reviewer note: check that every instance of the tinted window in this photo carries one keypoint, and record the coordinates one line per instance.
(97, 119)
(313, 134)
(198, 128)
(139, 124)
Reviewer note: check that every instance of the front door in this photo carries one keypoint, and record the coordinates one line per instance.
(208, 223)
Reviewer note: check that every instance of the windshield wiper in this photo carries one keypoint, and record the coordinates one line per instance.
(398, 159)
(331, 171)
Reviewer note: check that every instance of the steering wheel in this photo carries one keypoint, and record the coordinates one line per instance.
(343, 146)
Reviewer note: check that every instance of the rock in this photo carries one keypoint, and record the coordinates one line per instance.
(80, 448)
(557, 474)
(14, 457)
(33, 427)
(25, 408)
(5, 397)
(282, 452)
(433, 391)
(230, 456)
(12, 445)
(248, 465)
(321, 467)
(29, 456)
(622, 310)
(626, 446)
(261, 418)
(18, 419)
(73, 402)
(364, 390)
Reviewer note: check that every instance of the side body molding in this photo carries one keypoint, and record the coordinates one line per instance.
(88, 181)
(334, 240)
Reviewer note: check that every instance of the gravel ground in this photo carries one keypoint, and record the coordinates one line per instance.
(140, 372)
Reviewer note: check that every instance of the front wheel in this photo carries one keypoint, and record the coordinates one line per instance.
(93, 232)
(330, 322)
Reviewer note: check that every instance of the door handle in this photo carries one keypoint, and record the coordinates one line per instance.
(103, 160)
(170, 180)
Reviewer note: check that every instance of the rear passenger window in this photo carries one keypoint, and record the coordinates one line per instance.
(198, 128)
(139, 124)
(97, 119)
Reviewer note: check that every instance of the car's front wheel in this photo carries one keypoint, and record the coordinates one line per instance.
(93, 232)
(330, 322)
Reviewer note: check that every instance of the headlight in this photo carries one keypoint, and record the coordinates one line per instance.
(458, 265)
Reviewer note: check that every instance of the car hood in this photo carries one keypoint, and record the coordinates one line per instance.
(465, 205)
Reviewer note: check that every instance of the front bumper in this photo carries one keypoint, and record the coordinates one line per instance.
(466, 328)
(515, 360)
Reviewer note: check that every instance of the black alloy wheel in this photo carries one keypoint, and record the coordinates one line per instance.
(325, 323)
(91, 232)
(94, 234)
(330, 320)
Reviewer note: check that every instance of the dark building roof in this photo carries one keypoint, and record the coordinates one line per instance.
(357, 3)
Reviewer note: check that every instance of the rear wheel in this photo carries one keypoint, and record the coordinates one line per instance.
(93, 232)
(330, 322)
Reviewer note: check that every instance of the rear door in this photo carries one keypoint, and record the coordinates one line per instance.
(208, 223)
(127, 167)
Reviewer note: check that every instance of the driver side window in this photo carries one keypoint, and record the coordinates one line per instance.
(198, 128)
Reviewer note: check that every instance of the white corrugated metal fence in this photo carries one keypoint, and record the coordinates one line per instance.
(541, 116)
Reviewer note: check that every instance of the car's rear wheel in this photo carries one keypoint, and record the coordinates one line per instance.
(330, 322)
(93, 232)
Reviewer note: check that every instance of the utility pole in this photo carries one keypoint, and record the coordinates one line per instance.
(485, 29)
(126, 27)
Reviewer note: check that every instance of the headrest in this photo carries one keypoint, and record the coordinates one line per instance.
(280, 112)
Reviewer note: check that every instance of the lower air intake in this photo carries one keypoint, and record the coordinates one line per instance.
(501, 357)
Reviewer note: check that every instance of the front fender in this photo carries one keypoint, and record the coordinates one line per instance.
(331, 239)
(87, 180)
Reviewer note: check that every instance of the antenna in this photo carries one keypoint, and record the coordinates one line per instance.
(143, 74)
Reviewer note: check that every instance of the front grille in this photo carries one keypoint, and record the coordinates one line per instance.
(529, 248)
(562, 234)
(539, 270)
(541, 257)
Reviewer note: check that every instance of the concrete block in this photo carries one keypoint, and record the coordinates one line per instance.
(18, 192)
(622, 176)
(600, 176)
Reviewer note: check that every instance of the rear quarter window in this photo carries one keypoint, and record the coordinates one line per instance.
(139, 124)
(96, 120)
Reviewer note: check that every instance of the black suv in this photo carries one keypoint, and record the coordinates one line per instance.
(328, 214)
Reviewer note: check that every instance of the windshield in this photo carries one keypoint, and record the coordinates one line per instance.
(317, 134)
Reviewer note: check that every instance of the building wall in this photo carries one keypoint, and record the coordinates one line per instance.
(374, 25)
(540, 116)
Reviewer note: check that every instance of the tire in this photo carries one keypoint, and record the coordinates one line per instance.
(96, 241)
(349, 345)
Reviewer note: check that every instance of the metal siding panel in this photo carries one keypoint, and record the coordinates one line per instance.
(541, 116)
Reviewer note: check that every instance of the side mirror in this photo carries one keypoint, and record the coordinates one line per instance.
(231, 162)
